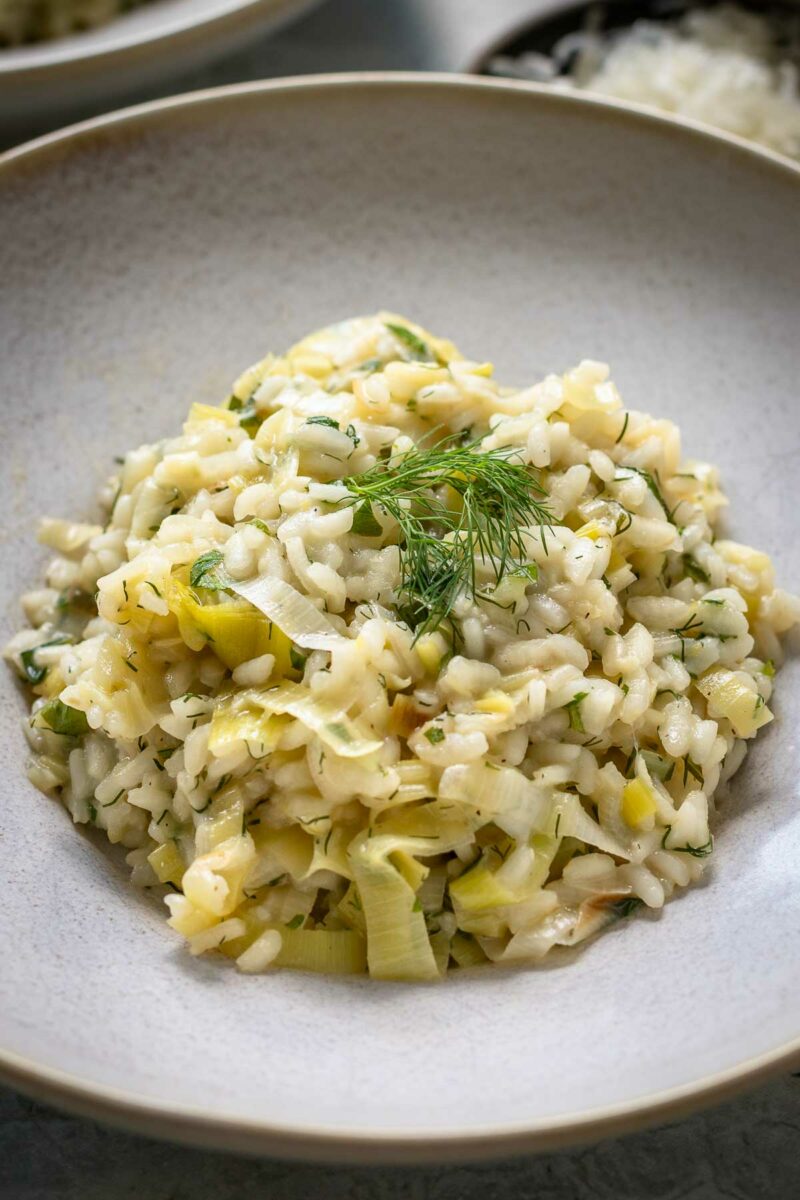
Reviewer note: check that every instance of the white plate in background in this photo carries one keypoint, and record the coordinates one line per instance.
(55, 81)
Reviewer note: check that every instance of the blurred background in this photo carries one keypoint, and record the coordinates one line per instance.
(735, 67)
(731, 64)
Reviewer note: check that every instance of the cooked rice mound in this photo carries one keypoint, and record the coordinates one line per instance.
(729, 67)
(230, 682)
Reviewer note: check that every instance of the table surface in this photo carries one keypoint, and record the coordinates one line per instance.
(745, 1150)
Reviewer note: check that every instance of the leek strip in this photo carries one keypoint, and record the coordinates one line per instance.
(351, 911)
(435, 828)
(231, 723)
(513, 802)
(478, 890)
(167, 863)
(326, 951)
(440, 945)
(413, 872)
(576, 822)
(291, 848)
(234, 631)
(292, 612)
(466, 951)
(544, 850)
(398, 946)
(219, 825)
(729, 696)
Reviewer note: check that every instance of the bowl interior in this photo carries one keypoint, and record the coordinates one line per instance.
(152, 258)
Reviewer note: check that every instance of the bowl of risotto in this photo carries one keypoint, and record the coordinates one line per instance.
(398, 621)
(63, 59)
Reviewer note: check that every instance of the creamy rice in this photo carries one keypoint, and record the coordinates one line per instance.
(233, 683)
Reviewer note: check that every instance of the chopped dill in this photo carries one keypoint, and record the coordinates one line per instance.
(573, 710)
(695, 851)
(694, 570)
(652, 485)
(416, 347)
(441, 543)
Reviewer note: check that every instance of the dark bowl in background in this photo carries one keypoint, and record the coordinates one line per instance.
(542, 30)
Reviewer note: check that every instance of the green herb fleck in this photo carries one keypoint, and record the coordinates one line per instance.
(32, 671)
(207, 572)
(695, 571)
(414, 344)
(297, 660)
(658, 766)
(527, 570)
(70, 722)
(652, 485)
(573, 710)
(364, 522)
(328, 422)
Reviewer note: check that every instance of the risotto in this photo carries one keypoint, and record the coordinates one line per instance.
(383, 667)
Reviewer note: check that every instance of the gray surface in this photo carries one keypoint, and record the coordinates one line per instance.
(748, 1149)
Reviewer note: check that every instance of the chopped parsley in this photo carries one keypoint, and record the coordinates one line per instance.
(33, 672)
(207, 572)
(434, 735)
(62, 719)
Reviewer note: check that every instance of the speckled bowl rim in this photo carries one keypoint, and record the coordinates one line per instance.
(195, 1126)
(69, 59)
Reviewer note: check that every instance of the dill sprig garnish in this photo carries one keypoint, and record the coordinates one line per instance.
(455, 506)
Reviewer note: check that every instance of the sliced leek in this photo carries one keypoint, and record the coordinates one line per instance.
(291, 611)
(235, 631)
(398, 946)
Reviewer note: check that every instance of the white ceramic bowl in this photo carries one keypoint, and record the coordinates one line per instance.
(56, 81)
(151, 254)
